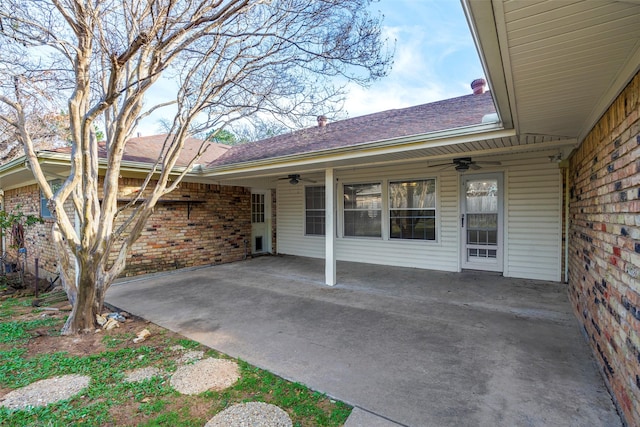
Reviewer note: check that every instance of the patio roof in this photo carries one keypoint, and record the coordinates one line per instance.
(448, 114)
(555, 67)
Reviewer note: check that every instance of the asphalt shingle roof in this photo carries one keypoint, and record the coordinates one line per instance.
(146, 149)
(451, 113)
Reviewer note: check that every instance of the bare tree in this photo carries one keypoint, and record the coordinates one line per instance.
(259, 128)
(49, 131)
(101, 59)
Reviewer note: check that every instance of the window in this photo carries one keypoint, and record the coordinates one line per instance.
(412, 209)
(363, 210)
(257, 208)
(314, 211)
(44, 209)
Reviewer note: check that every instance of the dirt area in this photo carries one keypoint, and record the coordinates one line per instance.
(195, 373)
(27, 282)
(48, 341)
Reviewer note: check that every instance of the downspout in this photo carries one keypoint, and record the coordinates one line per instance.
(565, 167)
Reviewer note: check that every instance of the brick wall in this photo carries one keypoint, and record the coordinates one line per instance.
(37, 237)
(198, 224)
(604, 279)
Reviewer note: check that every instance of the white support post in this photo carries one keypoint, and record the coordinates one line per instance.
(330, 228)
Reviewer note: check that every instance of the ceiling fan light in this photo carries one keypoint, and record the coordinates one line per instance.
(461, 167)
(293, 180)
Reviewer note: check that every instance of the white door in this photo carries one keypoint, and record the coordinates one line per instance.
(260, 222)
(481, 222)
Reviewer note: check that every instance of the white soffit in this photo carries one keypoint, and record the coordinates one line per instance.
(564, 61)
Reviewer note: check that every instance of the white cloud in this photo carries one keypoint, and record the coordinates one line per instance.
(435, 57)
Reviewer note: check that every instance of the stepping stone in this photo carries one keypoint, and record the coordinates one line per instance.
(254, 414)
(44, 392)
(206, 374)
(142, 374)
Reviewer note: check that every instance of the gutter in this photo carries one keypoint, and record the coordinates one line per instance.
(488, 35)
(405, 143)
(15, 163)
(63, 159)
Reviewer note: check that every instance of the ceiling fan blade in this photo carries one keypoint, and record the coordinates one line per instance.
(307, 180)
(474, 166)
(441, 164)
(290, 177)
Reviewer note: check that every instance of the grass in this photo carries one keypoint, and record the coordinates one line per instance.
(109, 400)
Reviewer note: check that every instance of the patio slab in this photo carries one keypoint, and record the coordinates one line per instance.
(404, 346)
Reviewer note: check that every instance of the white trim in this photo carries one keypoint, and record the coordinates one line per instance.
(266, 232)
(480, 264)
(565, 182)
(396, 145)
(486, 40)
(505, 228)
(305, 210)
(503, 46)
(330, 228)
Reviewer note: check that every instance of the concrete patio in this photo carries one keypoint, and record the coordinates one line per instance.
(404, 346)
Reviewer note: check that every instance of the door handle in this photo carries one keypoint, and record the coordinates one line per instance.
(462, 221)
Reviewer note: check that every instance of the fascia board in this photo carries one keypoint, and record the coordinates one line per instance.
(11, 166)
(481, 18)
(125, 165)
(416, 142)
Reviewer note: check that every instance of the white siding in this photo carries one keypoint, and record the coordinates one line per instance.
(439, 255)
(533, 221)
(290, 223)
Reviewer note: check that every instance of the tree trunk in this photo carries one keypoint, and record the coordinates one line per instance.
(88, 299)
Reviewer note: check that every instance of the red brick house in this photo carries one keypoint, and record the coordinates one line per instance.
(201, 223)
(538, 178)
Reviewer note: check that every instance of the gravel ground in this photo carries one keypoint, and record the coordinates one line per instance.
(253, 414)
(142, 374)
(206, 374)
(44, 392)
(190, 356)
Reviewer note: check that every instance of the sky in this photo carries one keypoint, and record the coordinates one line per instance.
(435, 59)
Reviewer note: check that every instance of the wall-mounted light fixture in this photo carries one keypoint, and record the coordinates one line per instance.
(556, 158)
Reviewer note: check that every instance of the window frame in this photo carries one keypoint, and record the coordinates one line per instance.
(45, 213)
(258, 217)
(435, 210)
(386, 209)
(323, 210)
(343, 209)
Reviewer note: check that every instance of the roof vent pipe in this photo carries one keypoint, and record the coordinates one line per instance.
(322, 121)
(478, 86)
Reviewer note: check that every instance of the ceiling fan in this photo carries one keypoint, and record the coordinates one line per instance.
(294, 178)
(462, 164)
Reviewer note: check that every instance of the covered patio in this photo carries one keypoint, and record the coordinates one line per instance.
(404, 346)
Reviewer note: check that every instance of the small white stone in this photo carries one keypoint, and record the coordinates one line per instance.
(44, 392)
(207, 374)
(254, 414)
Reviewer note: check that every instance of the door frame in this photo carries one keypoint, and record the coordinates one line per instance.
(498, 265)
(266, 232)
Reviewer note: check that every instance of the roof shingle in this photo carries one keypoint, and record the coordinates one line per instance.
(451, 113)
(146, 149)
